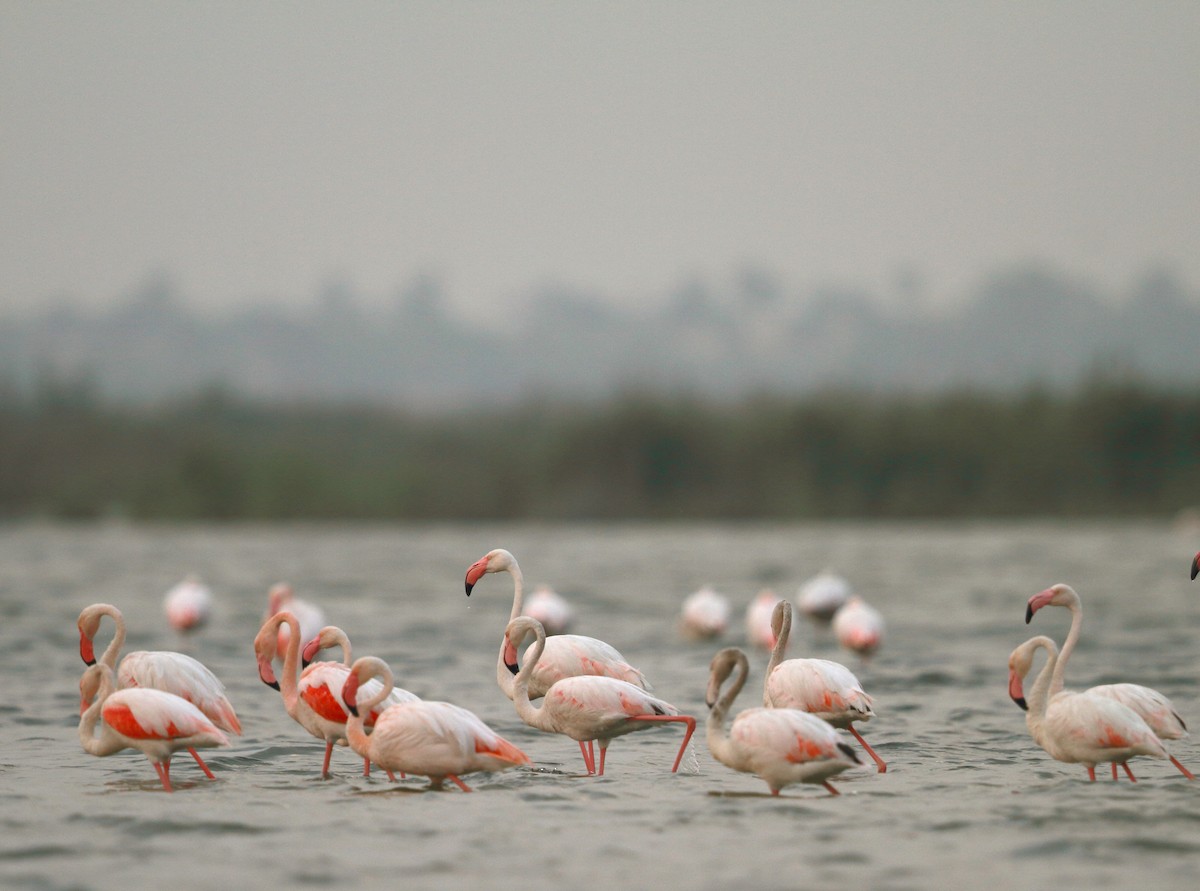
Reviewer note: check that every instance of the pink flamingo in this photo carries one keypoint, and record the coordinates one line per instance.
(1151, 706)
(781, 745)
(704, 614)
(188, 605)
(156, 723)
(566, 655)
(586, 708)
(826, 689)
(859, 627)
(758, 619)
(1084, 728)
(171, 672)
(310, 616)
(822, 596)
(315, 700)
(438, 740)
(551, 609)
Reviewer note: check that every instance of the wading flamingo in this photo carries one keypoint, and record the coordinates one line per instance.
(188, 605)
(315, 699)
(156, 723)
(551, 609)
(163, 670)
(311, 617)
(781, 745)
(758, 619)
(438, 740)
(1151, 706)
(704, 614)
(822, 596)
(859, 627)
(586, 708)
(1077, 728)
(826, 689)
(566, 655)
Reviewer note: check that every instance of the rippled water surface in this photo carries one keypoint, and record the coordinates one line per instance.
(967, 793)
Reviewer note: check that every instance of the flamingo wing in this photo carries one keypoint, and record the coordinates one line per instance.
(147, 714)
(1091, 729)
(1151, 706)
(573, 655)
(184, 677)
(826, 689)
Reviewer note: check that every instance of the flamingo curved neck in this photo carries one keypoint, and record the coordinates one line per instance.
(1068, 647)
(356, 732)
(534, 716)
(289, 686)
(1039, 694)
(503, 676)
(715, 731)
(105, 743)
(113, 650)
(781, 642)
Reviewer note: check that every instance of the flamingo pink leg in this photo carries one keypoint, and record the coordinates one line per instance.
(459, 782)
(1114, 767)
(678, 719)
(603, 752)
(879, 761)
(204, 767)
(589, 757)
(1092, 773)
(832, 791)
(366, 767)
(328, 755)
(161, 770)
(391, 776)
(1187, 773)
(1132, 778)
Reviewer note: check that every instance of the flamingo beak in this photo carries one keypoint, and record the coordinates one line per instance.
(1195, 567)
(266, 674)
(475, 572)
(310, 652)
(88, 654)
(1016, 690)
(350, 693)
(1036, 602)
(510, 656)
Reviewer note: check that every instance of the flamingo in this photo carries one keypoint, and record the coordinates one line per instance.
(1151, 706)
(826, 689)
(586, 708)
(705, 614)
(822, 596)
(155, 722)
(164, 670)
(859, 627)
(439, 740)
(758, 619)
(551, 609)
(1195, 567)
(781, 745)
(310, 616)
(566, 655)
(188, 605)
(1085, 728)
(314, 701)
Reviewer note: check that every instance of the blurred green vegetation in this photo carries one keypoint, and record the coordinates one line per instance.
(1107, 448)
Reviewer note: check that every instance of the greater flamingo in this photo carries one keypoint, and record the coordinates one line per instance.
(858, 627)
(704, 614)
(438, 740)
(1077, 728)
(164, 670)
(1151, 706)
(566, 655)
(156, 723)
(586, 708)
(826, 689)
(551, 609)
(314, 700)
(188, 605)
(780, 745)
(822, 596)
(311, 617)
(758, 619)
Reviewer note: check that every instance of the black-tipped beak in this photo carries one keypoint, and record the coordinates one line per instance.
(1020, 700)
(90, 662)
(304, 663)
(470, 585)
(274, 685)
(1028, 613)
(353, 709)
(1195, 567)
(512, 667)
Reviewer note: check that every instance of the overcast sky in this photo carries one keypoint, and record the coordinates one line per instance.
(258, 150)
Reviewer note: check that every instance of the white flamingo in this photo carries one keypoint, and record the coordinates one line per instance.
(758, 619)
(820, 687)
(311, 617)
(822, 596)
(1151, 706)
(188, 605)
(587, 708)
(704, 614)
(780, 745)
(858, 627)
(551, 609)
(566, 655)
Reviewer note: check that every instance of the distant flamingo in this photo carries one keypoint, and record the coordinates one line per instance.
(704, 614)
(188, 605)
(1083, 728)
(1151, 706)
(859, 627)
(551, 609)
(314, 700)
(586, 708)
(164, 670)
(434, 739)
(781, 745)
(310, 616)
(758, 619)
(156, 723)
(822, 596)
(566, 655)
(826, 689)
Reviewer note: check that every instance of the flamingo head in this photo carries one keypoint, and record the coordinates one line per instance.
(719, 670)
(350, 692)
(266, 673)
(782, 608)
(329, 636)
(1055, 595)
(498, 560)
(1020, 663)
(514, 635)
(89, 624)
(89, 686)
(1195, 567)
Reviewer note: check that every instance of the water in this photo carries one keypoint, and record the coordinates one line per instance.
(967, 794)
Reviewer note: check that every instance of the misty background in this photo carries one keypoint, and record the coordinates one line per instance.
(669, 260)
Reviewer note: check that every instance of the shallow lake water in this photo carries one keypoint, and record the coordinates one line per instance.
(968, 796)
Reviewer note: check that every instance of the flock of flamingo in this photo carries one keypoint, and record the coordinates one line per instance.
(164, 702)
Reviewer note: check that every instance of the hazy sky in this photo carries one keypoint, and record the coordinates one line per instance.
(262, 149)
